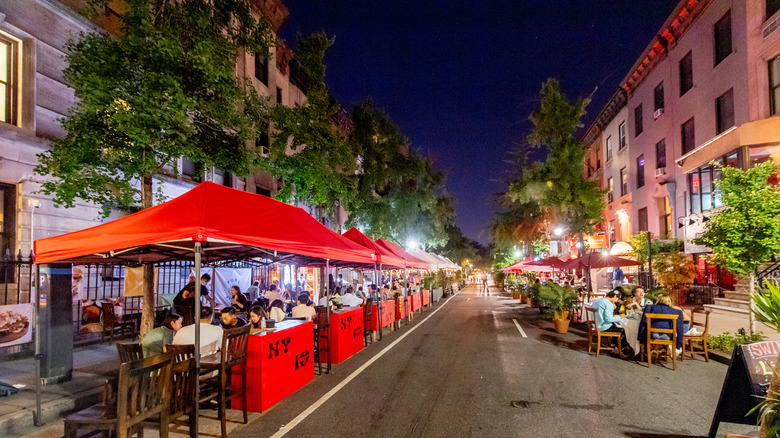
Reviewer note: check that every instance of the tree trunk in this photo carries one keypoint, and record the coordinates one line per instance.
(751, 318)
(147, 310)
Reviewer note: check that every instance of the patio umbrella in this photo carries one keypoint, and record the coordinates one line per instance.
(553, 262)
(596, 260)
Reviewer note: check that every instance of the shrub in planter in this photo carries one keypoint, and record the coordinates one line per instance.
(557, 302)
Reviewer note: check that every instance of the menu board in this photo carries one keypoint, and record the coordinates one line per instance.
(747, 380)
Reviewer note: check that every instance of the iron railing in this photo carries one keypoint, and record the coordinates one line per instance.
(15, 279)
(770, 273)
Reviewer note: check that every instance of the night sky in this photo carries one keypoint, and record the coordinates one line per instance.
(461, 77)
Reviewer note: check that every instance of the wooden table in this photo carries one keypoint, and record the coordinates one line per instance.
(345, 333)
(279, 362)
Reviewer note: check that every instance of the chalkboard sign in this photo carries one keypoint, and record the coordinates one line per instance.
(747, 379)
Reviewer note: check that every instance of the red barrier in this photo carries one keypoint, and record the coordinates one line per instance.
(278, 364)
(426, 297)
(346, 334)
(416, 301)
(388, 315)
(402, 309)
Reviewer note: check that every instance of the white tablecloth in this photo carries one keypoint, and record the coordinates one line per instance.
(631, 328)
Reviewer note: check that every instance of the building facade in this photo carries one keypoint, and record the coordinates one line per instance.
(706, 89)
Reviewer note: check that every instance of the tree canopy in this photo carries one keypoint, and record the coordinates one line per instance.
(746, 233)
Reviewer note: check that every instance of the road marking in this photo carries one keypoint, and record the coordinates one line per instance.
(517, 324)
(302, 416)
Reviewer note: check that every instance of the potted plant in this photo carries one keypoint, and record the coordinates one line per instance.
(558, 301)
(532, 294)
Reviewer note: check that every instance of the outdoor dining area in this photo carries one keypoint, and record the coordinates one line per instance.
(254, 364)
(619, 316)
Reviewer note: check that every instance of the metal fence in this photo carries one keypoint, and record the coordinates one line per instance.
(702, 294)
(15, 279)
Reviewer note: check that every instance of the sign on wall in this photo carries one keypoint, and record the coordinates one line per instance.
(15, 324)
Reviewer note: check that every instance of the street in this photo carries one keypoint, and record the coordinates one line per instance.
(467, 370)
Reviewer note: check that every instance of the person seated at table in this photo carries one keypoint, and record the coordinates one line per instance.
(386, 295)
(360, 294)
(289, 295)
(230, 320)
(639, 301)
(606, 320)
(349, 299)
(155, 341)
(273, 294)
(237, 299)
(277, 311)
(256, 316)
(253, 291)
(663, 307)
(210, 334)
(303, 310)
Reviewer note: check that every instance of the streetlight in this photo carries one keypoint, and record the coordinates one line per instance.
(558, 231)
(411, 244)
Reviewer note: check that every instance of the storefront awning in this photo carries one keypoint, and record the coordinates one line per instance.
(757, 133)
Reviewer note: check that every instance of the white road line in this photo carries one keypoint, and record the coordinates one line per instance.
(302, 416)
(517, 324)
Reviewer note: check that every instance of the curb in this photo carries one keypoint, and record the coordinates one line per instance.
(23, 421)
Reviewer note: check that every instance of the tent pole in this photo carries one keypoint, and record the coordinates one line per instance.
(196, 318)
(378, 298)
(327, 304)
(38, 356)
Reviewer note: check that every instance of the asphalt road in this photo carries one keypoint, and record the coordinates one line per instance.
(464, 369)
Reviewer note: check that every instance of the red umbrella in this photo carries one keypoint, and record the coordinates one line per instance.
(553, 262)
(595, 260)
(517, 266)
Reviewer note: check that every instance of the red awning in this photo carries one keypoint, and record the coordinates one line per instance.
(595, 260)
(411, 261)
(517, 266)
(230, 224)
(383, 256)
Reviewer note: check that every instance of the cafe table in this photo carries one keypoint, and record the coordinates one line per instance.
(388, 314)
(279, 362)
(345, 333)
(631, 328)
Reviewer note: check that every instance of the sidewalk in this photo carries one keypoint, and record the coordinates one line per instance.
(92, 365)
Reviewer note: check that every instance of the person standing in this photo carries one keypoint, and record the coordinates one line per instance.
(617, 278)
(485, 281)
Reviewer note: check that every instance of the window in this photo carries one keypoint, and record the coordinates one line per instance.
(623, 182)
(723, 38)
(261, 69)
(660, 154)
(640, 171)
(686, 73)
(610, 190)
(8, 80)
(665, 220)
(263, 143)
(688, 137)
(191, 169)
(774, 86)
(724, 109)
(658, 97)
(609, 148)
(642, 219)
(612, 233)
(278, 96)
(7, 228)
(622, 134)
(701, 183)
(638, 120)
(261, 191)
(772, 6)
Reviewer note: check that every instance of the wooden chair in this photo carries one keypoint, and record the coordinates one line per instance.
(183, 380)
(230, 360)
(112, 323)
(368, 331)
(186, 315)
(667, 345)
(143, 392)
(321, 337)
(129, 352)
(595, 334)
(689, 340)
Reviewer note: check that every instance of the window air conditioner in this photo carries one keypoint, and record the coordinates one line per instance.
(658, 113)
(661, 171)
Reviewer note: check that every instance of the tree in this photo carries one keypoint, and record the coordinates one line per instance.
(556, 183)
(162, 88)
(674, 270)
(313, 156)
(399, 194)
(746, 233)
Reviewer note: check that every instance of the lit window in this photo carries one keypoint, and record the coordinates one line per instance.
(623, 182)
(8, 79)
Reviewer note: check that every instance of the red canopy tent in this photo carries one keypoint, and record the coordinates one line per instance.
(228, 223)
(410, 260)
(383, 256)
(517, 266)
